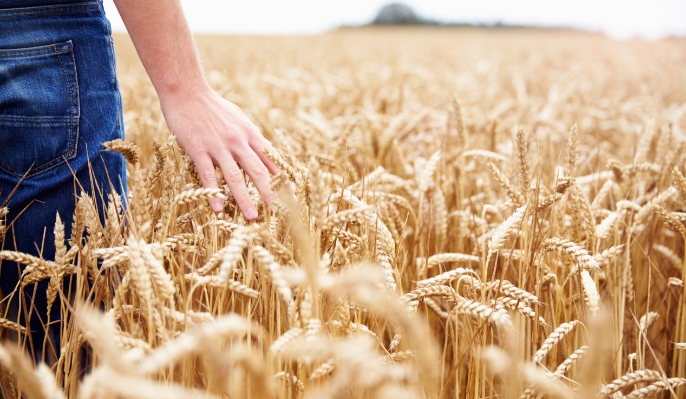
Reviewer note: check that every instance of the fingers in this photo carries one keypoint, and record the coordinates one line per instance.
(244, 149)
(258, 172)
(273, 169)
(209, 180)
(259, 150)
(236, 182)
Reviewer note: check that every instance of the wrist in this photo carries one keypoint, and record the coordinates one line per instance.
(183, 103)
(184, 89)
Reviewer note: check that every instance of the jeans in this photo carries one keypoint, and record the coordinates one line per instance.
(59, 101)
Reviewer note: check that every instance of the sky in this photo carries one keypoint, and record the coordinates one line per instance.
(619, 19)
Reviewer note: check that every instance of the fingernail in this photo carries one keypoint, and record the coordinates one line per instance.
(251, 213)
(293, 188)
(216, 206)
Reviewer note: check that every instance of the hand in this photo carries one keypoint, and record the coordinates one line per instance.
(214, 131)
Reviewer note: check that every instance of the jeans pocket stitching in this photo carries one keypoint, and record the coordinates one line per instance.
(72, 95)
(34, 52)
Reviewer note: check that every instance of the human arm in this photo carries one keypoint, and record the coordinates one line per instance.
(212, 130)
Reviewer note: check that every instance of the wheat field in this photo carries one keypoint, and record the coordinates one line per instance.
(476, 214)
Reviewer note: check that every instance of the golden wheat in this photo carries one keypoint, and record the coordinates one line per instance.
(449, 210)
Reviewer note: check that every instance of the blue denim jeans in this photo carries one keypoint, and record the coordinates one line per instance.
(59, 101)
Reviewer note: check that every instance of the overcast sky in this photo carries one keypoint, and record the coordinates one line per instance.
(617, 18)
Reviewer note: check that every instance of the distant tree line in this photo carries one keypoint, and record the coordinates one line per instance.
(397, 14)
(402, 14)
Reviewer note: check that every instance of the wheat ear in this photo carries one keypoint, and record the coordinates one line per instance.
(437, 259)
(554, 337)
(670, 383)
(445, 278)
(508, 227)
(592, 296)
(130, 151)
(522, 152)
(582, 257)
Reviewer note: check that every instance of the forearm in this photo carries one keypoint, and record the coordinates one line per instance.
(164, 43)
(213, 131)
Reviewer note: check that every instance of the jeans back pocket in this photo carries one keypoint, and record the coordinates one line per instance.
(39, 108)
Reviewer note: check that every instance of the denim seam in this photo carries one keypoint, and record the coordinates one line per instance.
(73, 141)
(30, 55)
(47, 10)
(66, 78)
(18, 120)
(24, 53)
(113, 61)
